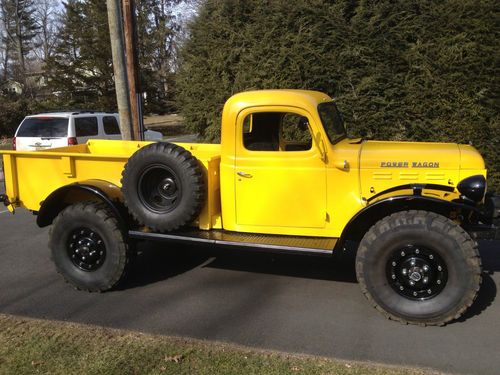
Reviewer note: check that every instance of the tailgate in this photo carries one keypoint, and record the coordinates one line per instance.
(39, 143)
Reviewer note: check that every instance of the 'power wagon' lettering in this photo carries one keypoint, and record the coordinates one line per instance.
(405, 164)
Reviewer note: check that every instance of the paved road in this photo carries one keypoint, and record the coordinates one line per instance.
(288, 303)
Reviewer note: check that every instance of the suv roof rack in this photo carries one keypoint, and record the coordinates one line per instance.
(74, 111)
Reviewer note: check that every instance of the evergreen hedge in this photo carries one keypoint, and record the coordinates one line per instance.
(423, 70)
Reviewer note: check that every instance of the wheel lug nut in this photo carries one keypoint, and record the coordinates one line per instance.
(439, 281)
(414, 294)
(431, 256)
(393, 277)
(403, 254)
(417, 251)
(440, 268)
(413, 262)
(401, 288)
(404, 271)
(82, 232)
(426, 280)
(77, 251)
(394, 264)
(426, 268)
(412, 283)
(429, 291)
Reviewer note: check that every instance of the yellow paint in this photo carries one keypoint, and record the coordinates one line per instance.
(309, 193)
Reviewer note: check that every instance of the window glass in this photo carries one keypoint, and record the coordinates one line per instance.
(110, 125)
(44, 127)
(332, 121)
(86, 126)
(295, 128)
(276, 131)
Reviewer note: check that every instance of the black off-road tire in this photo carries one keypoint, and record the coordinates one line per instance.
(89, 228)
(163, 186)
(397, 250)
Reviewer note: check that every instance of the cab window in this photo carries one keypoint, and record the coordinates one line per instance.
(276, 131)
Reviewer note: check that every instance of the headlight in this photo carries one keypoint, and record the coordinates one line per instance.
(473, 187)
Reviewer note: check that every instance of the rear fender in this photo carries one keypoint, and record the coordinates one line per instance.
(97, 190)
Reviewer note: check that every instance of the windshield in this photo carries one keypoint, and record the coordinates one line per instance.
(44, 127)
(332, 121)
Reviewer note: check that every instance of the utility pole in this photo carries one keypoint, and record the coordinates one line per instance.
(121, 86)
(129, 26)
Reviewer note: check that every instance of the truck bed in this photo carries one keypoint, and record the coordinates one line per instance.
(31, 176)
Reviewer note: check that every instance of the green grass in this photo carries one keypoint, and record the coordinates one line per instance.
(46, 347)
(5, 146)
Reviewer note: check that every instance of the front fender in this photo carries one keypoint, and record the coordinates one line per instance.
(99, 190)
(368, 216)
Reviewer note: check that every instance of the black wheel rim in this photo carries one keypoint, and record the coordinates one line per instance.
(86, 249)
(416, 272)
(159, 189)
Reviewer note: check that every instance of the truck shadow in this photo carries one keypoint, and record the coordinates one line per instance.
(490, 257)
(157, 263)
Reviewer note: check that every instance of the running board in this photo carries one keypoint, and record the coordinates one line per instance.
(273, 243)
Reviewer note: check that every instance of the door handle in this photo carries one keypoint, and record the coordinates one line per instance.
(243, 174)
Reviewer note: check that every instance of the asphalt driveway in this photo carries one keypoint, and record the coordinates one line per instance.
(288, 303)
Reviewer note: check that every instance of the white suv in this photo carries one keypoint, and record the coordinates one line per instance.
(49, 130)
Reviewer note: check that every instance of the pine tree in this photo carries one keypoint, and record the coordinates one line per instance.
(157, 28)
(81, 69)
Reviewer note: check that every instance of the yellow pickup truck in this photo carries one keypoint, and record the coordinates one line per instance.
(285, 178)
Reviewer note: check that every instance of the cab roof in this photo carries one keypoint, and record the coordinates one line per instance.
(307, 98)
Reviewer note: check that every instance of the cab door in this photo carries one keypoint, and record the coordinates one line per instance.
(280, 177)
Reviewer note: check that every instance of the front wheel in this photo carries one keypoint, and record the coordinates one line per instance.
(419, 267)
(88, 247)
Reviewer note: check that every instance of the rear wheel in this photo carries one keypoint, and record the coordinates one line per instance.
(88, 247)
(419, 267)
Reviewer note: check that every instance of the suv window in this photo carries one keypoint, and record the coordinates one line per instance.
(86, 126)
(110, 125)
(276, 131)
(44, 127)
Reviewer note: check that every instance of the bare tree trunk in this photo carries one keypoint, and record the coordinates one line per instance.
(6, 56)
(19, 45)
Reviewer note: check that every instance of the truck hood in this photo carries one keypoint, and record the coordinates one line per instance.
(416, 155)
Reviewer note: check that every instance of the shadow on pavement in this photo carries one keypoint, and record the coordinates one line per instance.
(490, 257)
(160, 261)
(485, 298)
(307, 267)
(155, 263)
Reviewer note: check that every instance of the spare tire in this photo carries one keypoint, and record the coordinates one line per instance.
(163, 186)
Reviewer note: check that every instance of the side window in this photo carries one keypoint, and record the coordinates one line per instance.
(86, 126)
(276, 131)
(110, 125)
(295, 132)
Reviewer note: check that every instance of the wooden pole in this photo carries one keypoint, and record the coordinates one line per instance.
(129, 26)
(120, 74)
